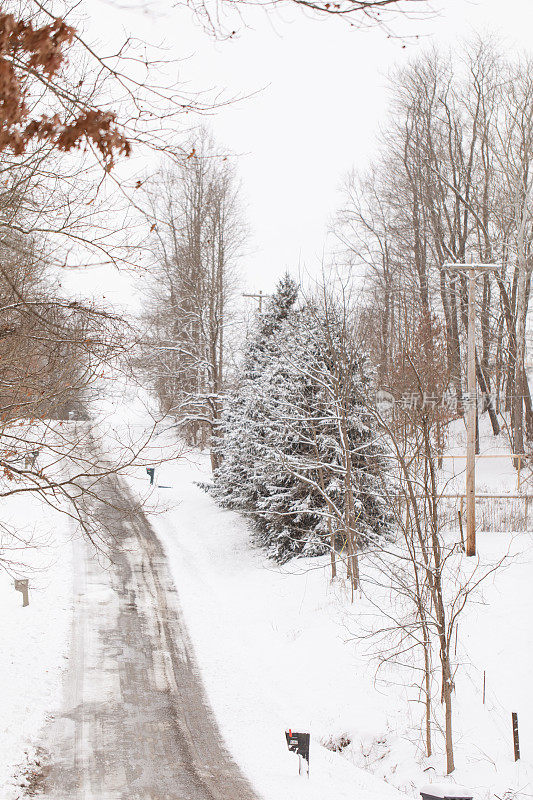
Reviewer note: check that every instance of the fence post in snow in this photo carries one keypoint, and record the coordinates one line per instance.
(460, 514)
(516, 741)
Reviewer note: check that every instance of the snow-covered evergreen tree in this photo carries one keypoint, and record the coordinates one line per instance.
(298, 451)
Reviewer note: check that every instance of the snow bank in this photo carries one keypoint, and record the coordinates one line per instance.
(447, 790)
(35, 639)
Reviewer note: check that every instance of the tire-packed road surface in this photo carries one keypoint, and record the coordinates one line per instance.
(136, 723)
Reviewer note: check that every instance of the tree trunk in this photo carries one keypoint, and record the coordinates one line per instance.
(450, 765)
(485, 390)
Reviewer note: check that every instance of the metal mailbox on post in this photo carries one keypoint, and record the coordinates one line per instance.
(299, 743)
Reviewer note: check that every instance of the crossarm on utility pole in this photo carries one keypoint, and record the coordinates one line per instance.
(258, 297)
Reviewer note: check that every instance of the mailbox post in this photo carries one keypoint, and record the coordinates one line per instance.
(299, 743)
(151, 473)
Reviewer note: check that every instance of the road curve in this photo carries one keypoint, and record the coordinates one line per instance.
(136, 723)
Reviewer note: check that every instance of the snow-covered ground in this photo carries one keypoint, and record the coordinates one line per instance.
(35, 639)
(269, 645)
(277, 650)
(495, 473)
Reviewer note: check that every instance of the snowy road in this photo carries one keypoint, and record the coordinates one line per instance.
(136, 723)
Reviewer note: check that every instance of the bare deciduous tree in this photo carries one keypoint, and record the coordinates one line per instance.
(198, 237)
(422, 563)
(452, 184)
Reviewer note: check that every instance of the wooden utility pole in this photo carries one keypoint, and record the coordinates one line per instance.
(258, 297)
(471, 270)
(471, 420)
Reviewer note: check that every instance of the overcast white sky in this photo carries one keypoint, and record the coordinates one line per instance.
(320, 99)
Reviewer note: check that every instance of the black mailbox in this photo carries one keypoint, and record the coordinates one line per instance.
(299, 743)
(151, 473)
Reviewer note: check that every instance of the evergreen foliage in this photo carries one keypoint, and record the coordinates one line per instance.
(283, 462)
